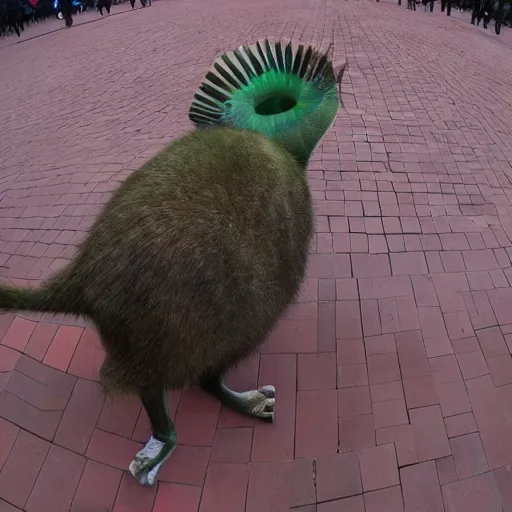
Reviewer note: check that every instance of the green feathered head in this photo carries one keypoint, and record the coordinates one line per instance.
(287, 92)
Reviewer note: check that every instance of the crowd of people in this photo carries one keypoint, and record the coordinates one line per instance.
(481, 10)
(16, 14)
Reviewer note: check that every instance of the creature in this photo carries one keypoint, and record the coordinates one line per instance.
(199, 252)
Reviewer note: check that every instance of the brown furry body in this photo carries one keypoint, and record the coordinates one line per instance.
(192, 261)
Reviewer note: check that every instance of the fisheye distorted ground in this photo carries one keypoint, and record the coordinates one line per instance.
(393, 371)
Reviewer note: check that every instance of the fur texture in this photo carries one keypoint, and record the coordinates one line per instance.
(192, 261)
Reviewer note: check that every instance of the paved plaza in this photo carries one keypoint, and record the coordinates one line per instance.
(393, 370)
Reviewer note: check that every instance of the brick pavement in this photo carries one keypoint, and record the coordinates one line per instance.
(393, 371)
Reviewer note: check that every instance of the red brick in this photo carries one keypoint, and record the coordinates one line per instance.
(6, 320)
(492, 342)
(6, 507)
(377, 244)
(42, 423)
(370, 265)
(503, 479)
(232, 445)
(386, 391)
(111, 449)
(97, 488)
(446, 471)
(494, 431)
(79, 419)
(356, 432)
(293, 335)
(500, 368)
(88, 357)
(458, 325)
(326, 328)
(420, 392)
(45, 375)
(277, 441)
(472, 365)
(7, 440)
(445, 369)
(480, 281)
(408, 263)
(354, 401)
(41, 396)
(346, 289)
(382, 287)
(350, 352)
(370, 317)
(424, 291)
(22, 468)
(133, 497)
(120, 416)
(388, 315)
(184, 498)
(301, 474)
(317, 371)
(429, 433)
(348, 320)
(381, 344)
(407, 313)
(452, 261)
(411, 354)
(40, 340)
(466, 345)
(460, 424)
(352, 375)
(384, 500)
(480, 260)
(434, 332)
(19, 333)
(390, 413)
(329, 469)
(187, 465)
(8, 358)
(353, 504)
(453, 398)
(383, 368)
(325, 266)
(379, 467)
(472, 495)
(480, 310)
(469, 455)
(63, 347)
(274, 477)
(308, 291)
(327, 289)
(57, 482)
(197, 418)
(403, 437)
(421, 489)
(221, 477)
(317, 423)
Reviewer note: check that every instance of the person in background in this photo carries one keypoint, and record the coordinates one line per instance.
(66, 9)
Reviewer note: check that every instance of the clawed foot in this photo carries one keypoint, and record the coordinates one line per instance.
(147, 463)
(259, 402)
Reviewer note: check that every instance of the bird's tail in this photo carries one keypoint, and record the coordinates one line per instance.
(284, 90)
(56, 296)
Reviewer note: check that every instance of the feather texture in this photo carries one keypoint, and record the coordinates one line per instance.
(286, 91)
